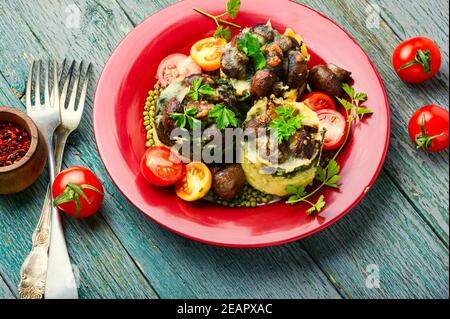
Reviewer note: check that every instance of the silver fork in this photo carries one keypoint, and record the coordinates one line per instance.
(60, 281)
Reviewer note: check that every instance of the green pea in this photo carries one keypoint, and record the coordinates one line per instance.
(265, 200)
(152, 113)
(253, 204)
(148, 144)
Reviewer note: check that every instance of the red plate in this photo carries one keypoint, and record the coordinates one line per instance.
(120, 136)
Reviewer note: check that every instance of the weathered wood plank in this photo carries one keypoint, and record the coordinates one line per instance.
(178, 267)
(5, 292)
(182, 273)
(420, 176)
(106, 269)
(383, 230)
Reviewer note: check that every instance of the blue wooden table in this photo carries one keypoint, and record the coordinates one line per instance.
(398, 233)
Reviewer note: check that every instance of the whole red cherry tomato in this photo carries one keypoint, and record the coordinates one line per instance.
(428, 128)
(416, 60)
(77, 192)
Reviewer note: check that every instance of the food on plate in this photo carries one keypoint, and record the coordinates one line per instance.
(228, 180)
(266, 62)
(77, 192)
(259, 86)
(196, 183)
(428, 128)
(161, 166)
(328, 79)
(175, 66)
(416, 60)
(207, 53)
(318, 100)
(335, 126)
(298, 151)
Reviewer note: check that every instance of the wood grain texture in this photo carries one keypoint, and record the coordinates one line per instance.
(392, 227)
(165, 274)
(105, 268)
(5, 292)
(421, 177)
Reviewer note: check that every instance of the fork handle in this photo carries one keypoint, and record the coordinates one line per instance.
(34, 268)
(60, 281)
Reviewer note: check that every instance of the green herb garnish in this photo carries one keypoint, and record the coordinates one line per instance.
(286, 124)
(249, 45)
(353, 107)
(197, 88)
(233, 8)
(181, 119)
(223, 116)
(232, 11)
(222, 33)
(328, 176)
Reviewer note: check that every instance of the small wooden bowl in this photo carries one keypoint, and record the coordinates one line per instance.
(20, 175)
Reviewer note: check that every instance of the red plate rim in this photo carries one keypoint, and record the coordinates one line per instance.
(103, 152)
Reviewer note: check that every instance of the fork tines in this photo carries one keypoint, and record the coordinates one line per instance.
(71, 75)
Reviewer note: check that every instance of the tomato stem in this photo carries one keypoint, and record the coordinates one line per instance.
(217, 18)
(423, 58)
(423, 141)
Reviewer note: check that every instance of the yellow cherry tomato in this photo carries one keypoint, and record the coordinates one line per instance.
(196, 183)
(291, 33)
(207, 53)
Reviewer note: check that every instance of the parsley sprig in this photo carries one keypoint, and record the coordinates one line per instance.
(232, 11)
(353, 107)
(286, 124)
(249, 45)
(181, 119)
(223, 116)
(329, 175)
(197, 88)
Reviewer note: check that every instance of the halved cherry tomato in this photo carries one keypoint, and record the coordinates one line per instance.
(175, 66)
(335, 125)
(428, 128)
(416, 60)
(318, 101)
(196, 183)
(161, 166)
(77, 192)
(207, 53)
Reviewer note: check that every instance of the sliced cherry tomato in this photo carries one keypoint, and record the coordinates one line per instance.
(162, 166)
(196, 183)
(175, 66)
(428, 128)
(318, 101)
(207, 53)
(77, 192)
(335, 125)
(416, 60)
